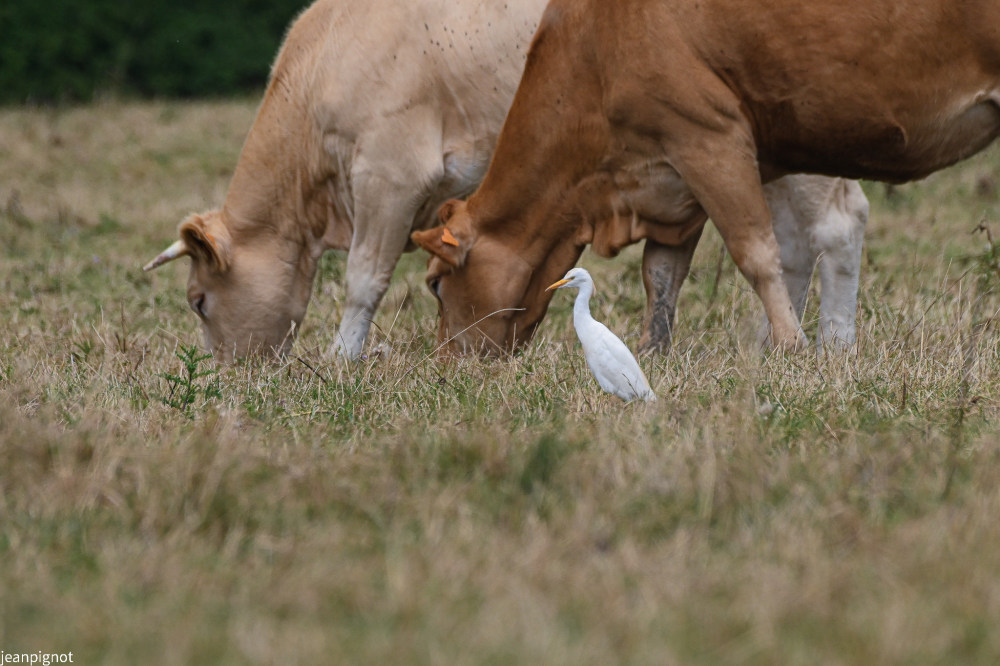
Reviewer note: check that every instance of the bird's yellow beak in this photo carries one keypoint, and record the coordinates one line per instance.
(556, 285)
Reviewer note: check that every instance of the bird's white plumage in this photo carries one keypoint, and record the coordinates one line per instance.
(609, 359)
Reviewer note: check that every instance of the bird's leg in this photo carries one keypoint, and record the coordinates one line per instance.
(664, 268)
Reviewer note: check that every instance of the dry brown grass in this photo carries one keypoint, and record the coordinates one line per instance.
(805, 509)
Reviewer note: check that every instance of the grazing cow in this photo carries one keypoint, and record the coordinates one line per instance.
(376, 113)
(638, 118)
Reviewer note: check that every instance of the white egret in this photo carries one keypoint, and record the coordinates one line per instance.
(609, 359)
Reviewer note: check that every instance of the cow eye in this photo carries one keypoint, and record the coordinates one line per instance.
(434, 285)
(198, 305)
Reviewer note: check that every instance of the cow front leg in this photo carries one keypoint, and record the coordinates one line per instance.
(664, 269)
(368, 276)
(722, 172)
(383, 216)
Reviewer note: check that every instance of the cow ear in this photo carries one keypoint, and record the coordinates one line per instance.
(448, 209)
(208, 240)
(449, 242)
(442, 243)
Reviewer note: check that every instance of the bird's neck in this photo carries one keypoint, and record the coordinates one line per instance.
(581, 307)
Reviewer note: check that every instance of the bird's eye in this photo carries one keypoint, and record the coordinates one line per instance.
(198, 305)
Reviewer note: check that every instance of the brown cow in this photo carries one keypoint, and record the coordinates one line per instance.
(638, 118)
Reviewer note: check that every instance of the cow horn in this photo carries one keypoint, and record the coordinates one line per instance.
(178, 249)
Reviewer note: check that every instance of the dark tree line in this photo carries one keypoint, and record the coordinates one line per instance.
(71, 50)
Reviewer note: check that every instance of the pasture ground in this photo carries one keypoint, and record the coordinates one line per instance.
(806, 509)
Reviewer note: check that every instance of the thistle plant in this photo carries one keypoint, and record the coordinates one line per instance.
(186, 387)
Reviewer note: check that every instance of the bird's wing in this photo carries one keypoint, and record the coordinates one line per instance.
(613, 364)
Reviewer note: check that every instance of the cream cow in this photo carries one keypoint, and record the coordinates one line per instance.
(375, 114)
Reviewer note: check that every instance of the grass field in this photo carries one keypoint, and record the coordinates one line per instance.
(804, 509)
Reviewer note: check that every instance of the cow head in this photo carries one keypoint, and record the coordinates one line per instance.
(489, 283)
(250, 291)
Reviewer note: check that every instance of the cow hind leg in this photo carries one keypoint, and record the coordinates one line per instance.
(664, 269)
(790, 217)
(798, 205)
(819, 223)
(838, 239)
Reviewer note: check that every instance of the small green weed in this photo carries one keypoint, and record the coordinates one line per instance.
(185, 389)
(986, 265)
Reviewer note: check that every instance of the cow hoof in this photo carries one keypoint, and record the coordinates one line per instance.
(341, 351)
(654, 346)
(794, 345)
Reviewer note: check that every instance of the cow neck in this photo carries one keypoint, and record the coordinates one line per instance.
(278, 187)
(531, 184)
(547, 146)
